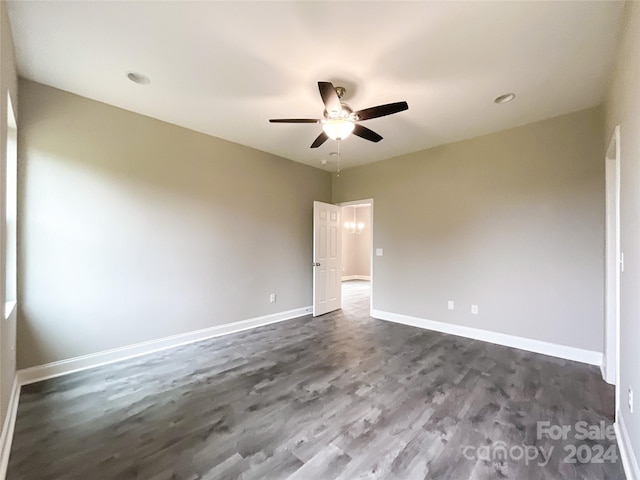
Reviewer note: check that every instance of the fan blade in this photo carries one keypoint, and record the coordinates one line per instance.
(294, 120)
(366, 133)
(323, 137)
(381, 110)
(329, 97)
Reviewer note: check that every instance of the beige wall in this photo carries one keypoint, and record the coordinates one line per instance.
(356, 247)
(8, 84)
(623, 108)
(512, 222)
(133, 229)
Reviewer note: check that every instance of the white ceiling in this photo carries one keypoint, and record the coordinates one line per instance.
(225, 68)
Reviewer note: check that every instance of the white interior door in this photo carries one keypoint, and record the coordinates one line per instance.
(327, 258)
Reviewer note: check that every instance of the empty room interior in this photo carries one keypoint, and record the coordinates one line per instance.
(320, 240)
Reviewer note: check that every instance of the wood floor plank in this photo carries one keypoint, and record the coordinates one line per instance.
(342, 396)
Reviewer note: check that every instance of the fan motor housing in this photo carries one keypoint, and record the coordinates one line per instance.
(345, 113)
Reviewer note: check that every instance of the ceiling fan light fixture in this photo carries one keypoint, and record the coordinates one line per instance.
(340, 120)
(337, 128)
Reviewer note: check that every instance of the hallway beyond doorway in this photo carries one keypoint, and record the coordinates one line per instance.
(356, 297)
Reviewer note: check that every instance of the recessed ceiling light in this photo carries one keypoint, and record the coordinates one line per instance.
(139, 78)
(323, 161)
(334, 154)
(507, 97)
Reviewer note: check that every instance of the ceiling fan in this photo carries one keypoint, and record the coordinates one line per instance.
(340, 120)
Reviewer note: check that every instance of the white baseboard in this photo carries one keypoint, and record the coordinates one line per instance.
(356, 277)
(64, 367)
(531, 345)
(629, 460)
(6, 437)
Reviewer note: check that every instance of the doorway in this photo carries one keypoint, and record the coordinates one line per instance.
(614, 263)
(357, 253)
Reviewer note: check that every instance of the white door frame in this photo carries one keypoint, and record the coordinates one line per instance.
(613, 265)
(370, 202)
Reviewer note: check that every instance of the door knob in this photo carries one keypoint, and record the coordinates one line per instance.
(315, 264)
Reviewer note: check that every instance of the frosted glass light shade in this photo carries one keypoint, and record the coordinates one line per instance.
(338, 129)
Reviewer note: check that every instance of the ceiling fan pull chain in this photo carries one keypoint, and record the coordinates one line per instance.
(338, 173)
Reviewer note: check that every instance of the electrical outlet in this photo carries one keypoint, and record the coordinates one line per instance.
(474, 309)
(272, 298)
(630, 400)
(450, 305)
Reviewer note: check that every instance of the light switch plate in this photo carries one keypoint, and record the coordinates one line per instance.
(378, 252)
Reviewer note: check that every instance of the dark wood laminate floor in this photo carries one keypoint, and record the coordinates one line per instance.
(342, 396)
